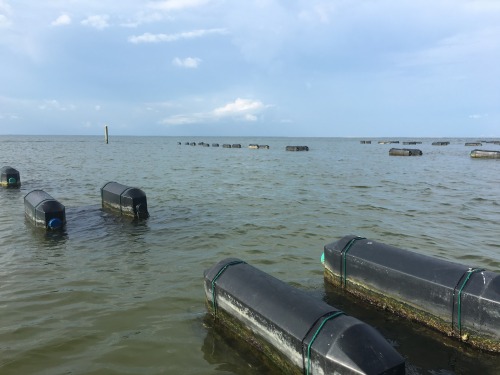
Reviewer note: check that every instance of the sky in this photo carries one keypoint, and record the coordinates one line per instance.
(299, 68)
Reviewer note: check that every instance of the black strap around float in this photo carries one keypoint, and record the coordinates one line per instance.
(307, 355)
(221, 271)
(343, 260)
(461, 283)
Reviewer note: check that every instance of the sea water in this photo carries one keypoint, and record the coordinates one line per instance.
(112, 296)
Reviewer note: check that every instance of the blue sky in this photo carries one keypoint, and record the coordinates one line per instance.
(346, 68)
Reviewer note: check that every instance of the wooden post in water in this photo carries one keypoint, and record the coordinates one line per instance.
(106, 133)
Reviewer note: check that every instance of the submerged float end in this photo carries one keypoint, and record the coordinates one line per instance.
(55, 223)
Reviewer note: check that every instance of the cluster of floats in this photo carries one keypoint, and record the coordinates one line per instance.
(42, 210)
(476, 153)
(305, 335)
(252, 146)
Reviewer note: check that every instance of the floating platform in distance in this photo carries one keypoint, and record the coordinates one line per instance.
(300, 334)
(125, 200)
(405, 152)
(473, 144)
(387, 142)
(254, 146)
(485, 154)
(297, 148)
(44, 211)
(9, 177)
(458, 300)
(446, 143)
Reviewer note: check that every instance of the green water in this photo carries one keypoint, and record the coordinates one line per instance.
(109, 296)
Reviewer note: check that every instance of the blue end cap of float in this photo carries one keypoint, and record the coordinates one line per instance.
(55, 223)
(12, 180)
(323, 258)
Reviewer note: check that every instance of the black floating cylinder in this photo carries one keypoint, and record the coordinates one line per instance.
(9, 177)
(299, 333)
(485, 154)
(127, 200)
(297, 148)
(43, 210)
(405, 152)
(456, 299)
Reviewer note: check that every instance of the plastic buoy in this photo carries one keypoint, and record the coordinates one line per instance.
(299, 333)
(456, 299)
(405, 152)
(9, 177)
(297, 148)
(124, 199)
(43, 210)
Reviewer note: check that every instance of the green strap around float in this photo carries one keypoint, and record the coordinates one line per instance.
(221, 271)
(465, 277)
(343, 263)
(328, 316)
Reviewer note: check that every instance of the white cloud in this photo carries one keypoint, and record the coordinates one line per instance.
(4, 21)
(183, 119)
(54, 104)
(240, 109)
(5, 11)
(188, 62)
(63, 19)
(318, 12)
(454, 49)
(97, 21)
(8, 116)
(156, 38)
(478, 116)
(142, 18)
(169, 5)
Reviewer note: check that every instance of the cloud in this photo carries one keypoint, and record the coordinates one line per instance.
(240, 110)
(188, 62)
(318, 12)
(8, 116)
(4, 21)
(184, 119)
(239, 107)
(169, 5)
(56, 105)
(156, 38)
(5, 12)
(478, 116)
(455, 49)
(143, 18)
(63, 19)
(97, 21)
